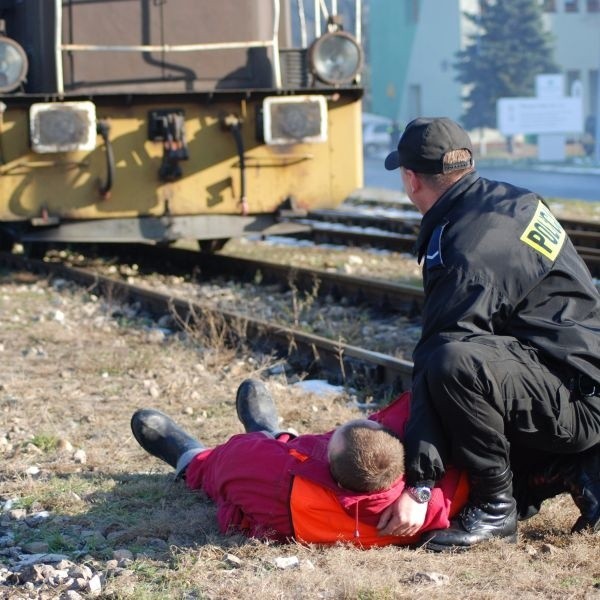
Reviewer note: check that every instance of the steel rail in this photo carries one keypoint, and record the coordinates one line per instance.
(343, 362)
(410, 224)
(585, 236)
(380, 293)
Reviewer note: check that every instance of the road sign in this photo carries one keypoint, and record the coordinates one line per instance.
(540, 115)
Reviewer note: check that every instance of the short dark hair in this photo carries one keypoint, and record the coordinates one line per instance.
(442, 181)
(370, 461)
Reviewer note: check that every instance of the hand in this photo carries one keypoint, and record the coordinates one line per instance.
(404, 517)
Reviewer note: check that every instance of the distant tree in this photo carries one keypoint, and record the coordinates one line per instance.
(510, 47)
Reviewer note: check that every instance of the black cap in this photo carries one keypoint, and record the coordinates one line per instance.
(424, 144)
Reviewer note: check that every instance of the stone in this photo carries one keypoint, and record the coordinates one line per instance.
(286, 562)
(156, 336)
(80, 572)
(32, 559)
(7, 539)
(8, 504)
(430, 577)
(233, 560)
(122, 554)
(94, 585)
(549, 549)
(36, 547)
(64, 445)
(17, 514)
(80, 457)
(307, 565)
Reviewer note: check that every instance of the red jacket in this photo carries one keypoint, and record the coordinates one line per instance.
(282, 489)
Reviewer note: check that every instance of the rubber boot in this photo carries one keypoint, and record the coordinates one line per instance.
(255, 407)
(162, 437)
(490, 513)
(579, 475)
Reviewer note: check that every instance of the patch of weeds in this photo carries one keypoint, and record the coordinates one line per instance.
(45, 442)
(569, 582)
(302, 302)
(62, 494)
(26, 502)
(59, 543)
(147, 570)
(113, 389)
(131, 500)
(146, 591)
(209, 329)
(468, 576)
(98, 548)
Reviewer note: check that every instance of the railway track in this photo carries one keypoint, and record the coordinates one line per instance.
(399, 233)
(342, 362)
(347, 362)
(379, 293)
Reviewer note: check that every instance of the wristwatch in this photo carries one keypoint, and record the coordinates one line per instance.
(421, 494)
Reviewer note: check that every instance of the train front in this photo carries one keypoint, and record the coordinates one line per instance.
(182, 119)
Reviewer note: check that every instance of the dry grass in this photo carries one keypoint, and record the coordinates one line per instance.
(75, 369)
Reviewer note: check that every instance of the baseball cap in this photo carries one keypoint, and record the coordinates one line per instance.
(424, 144)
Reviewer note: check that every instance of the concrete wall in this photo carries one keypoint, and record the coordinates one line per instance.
(411, 60)
(577, 39)
(412, 46)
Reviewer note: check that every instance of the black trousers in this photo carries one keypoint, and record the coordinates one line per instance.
(498, 403)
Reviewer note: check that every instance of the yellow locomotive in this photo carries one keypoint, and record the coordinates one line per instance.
(158, 120)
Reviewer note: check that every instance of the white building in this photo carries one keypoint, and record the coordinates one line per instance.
(575, 25)
(413, 45)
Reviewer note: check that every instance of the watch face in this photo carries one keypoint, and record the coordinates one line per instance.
(420, 494)
(424, 494)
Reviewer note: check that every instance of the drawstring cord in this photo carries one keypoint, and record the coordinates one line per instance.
(356, 532)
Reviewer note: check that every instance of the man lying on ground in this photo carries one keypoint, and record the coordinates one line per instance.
(335, 486)
(319, 488)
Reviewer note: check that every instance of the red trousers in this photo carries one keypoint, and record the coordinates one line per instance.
(249, 479)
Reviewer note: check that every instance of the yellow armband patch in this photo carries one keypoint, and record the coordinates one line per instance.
(544, 233)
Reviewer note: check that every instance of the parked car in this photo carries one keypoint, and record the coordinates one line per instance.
(376, 134)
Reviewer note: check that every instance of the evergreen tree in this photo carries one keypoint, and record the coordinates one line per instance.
(509, 49)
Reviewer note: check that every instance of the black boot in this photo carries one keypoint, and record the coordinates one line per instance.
(490, 513)
(584, 487)
(255, 407)
(577, 474)
(160, 436)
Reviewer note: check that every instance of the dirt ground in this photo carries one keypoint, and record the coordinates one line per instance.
(75, 484)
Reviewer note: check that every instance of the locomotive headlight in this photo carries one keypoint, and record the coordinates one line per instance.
(335, 58)
(294, 120)
(13, 65)
(62, 126)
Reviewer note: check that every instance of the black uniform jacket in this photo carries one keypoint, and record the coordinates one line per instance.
(497, 262)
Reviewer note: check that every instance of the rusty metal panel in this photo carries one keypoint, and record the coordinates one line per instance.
(169, 22)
